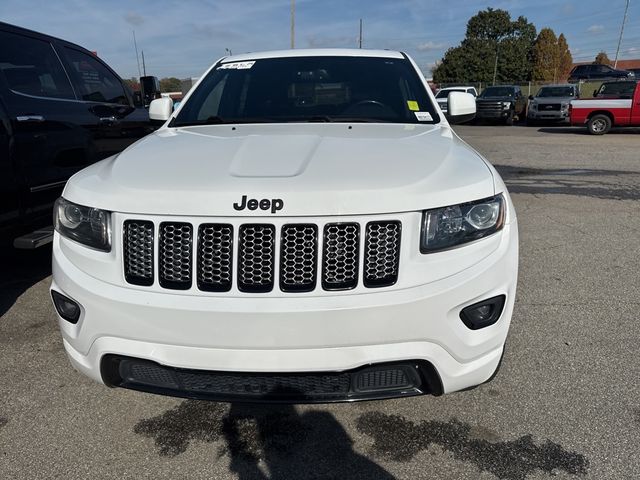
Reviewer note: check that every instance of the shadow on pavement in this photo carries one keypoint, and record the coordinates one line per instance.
(583, 130)
(264, 442)
(20, 270)
(582, 182)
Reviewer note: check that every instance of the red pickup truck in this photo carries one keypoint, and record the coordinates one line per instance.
(615, 104)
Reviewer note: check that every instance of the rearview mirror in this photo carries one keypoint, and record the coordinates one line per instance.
(160, 109)
(461, 107)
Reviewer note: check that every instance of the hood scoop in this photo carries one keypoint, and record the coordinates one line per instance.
(262, 156)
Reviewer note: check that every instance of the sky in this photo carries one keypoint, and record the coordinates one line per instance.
(182, 38)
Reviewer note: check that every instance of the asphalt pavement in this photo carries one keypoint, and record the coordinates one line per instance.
(566, 403)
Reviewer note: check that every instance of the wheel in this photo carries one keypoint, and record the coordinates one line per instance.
(509, 119)
(599, 124)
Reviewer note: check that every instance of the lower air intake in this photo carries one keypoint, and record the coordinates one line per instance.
(365, 383)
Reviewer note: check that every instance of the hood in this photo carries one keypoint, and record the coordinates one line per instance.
(312, 169)
(543, 100)
(495, 99)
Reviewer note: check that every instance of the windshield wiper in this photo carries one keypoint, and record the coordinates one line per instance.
(215, 120)
(329, 118)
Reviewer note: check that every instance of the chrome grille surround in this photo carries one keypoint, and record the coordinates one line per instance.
(215, 257)
(138, 252)
(381, 253)
(256, 258)
(298, 257)
(340, 259)
(175, 252)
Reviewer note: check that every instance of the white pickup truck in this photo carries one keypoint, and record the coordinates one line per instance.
(305, 227)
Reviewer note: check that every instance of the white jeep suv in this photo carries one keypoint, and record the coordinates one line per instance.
(305, 227)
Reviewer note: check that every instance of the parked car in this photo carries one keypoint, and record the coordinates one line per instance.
(443, 95)
(597, 71)
(311, 235)
(635, 71)
(505, 103)
(620, 109)
(551, 103)
(61, 109)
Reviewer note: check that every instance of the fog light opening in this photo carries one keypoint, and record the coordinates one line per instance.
(66, 308)
(482, 314)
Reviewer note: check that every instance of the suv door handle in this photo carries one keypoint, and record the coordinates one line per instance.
(108, 120)
(30, 118)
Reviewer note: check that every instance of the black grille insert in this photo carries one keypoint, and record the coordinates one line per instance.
(340, 258)
(385, 380)
(175, 255)
(256, 258)
(138, 252)
(382, 253)
(215, 257)
(298, 258)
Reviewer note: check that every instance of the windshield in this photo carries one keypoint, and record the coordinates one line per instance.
(556, 92)
(310, 89)
(445, 93)
(497, 92)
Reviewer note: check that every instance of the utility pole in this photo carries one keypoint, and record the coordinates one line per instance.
(293, 24)
(360, 38)
(495, 65)
(135, 44)
(144, 68)
(624, 20)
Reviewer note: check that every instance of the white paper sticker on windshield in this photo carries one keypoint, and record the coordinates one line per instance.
(237, 65)
(424, 116)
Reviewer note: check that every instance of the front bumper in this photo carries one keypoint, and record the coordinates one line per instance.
(303, 334)
(557, 115)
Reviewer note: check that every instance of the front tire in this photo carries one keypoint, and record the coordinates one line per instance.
(599, 124)
(509, 120)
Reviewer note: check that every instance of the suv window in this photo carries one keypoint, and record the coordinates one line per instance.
(31, 67)
(302, 89)
(94, 82)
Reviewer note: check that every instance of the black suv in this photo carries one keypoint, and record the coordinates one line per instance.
(504, 103)
(597, 72)
(61, 109)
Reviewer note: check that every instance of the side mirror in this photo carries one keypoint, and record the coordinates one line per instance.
(461, 107)
(160, 109)
(137, 99)
(530, 97)
(595, 93)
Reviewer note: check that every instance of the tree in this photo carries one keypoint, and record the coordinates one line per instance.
(132, 83)
(552, 59)
(565, 59)
(170, 84)
(491, 37)
(602, 59)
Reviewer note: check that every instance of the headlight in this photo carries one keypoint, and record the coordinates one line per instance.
(86, 225)
(506, 105)
(565, 106)
(533, 106)
(447, 227)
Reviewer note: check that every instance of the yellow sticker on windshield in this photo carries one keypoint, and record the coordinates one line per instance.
(413, 105)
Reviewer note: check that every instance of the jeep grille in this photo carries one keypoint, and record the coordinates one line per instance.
(255, 255)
